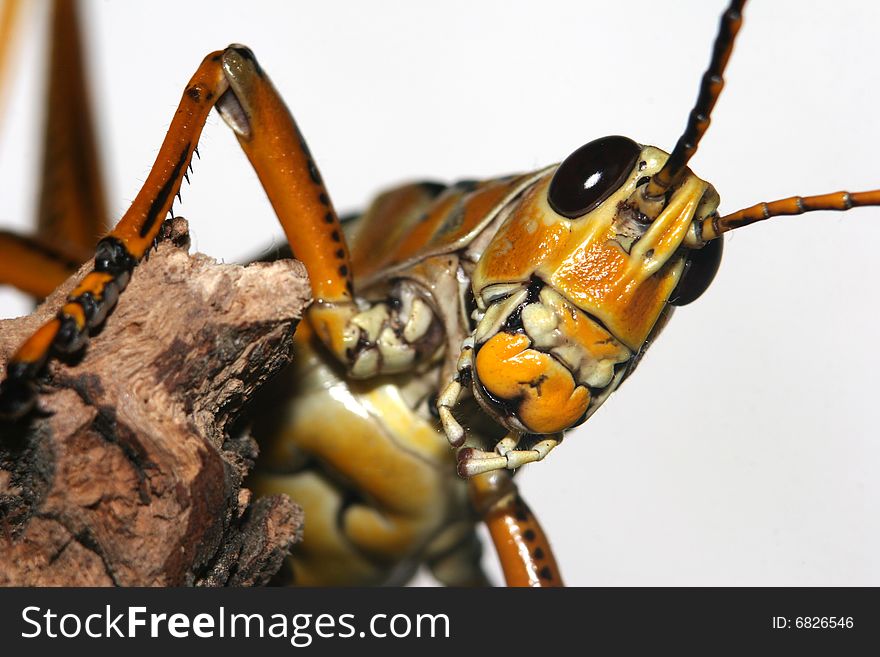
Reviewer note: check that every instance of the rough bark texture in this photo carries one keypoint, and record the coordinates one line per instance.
(127, 474)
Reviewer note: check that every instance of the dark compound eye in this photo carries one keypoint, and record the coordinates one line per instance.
(701, 267)
(590, 175)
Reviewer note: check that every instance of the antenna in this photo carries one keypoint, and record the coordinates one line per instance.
(698, 120)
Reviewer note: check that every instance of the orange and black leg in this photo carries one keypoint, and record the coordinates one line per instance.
(522, 546)
(118, 252)
(72, 212)
(72, 207)
(369, 339)
(34, 266)
(389, 336)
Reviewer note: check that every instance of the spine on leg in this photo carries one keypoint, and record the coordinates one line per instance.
(119, 252)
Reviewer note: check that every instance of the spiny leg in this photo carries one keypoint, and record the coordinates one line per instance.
(384, 336)
(522, 546)
(119, 252)
(388, 336)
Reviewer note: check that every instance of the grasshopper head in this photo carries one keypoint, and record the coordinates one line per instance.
(573, 283)
(583, 273)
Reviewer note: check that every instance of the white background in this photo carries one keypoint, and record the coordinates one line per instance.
(745, 449)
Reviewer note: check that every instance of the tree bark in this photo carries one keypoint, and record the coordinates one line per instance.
(128, 472)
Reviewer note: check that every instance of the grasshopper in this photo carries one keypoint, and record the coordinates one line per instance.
(570, 441)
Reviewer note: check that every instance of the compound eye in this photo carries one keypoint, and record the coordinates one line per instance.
(591, 174)
(699, 271)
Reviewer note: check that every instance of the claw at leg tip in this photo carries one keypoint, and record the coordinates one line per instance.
(471, 462)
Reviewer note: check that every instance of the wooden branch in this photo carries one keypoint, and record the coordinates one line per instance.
(127, 475)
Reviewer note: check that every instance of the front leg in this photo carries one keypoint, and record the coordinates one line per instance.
(385, 337)
(369, 338)
(119, 252)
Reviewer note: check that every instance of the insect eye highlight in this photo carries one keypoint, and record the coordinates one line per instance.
(591, 174)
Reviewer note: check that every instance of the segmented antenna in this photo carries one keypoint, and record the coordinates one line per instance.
(840, 201)
(698, 120)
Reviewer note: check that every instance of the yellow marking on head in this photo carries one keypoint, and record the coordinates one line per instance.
(627, 291)
(523, 242)
(608, 262)
(668, 230)
(546, 393)
(588, 349)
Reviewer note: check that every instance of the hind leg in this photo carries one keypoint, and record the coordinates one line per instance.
(391, 336)
(72, 211)
(33, 265)
(72, 208)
